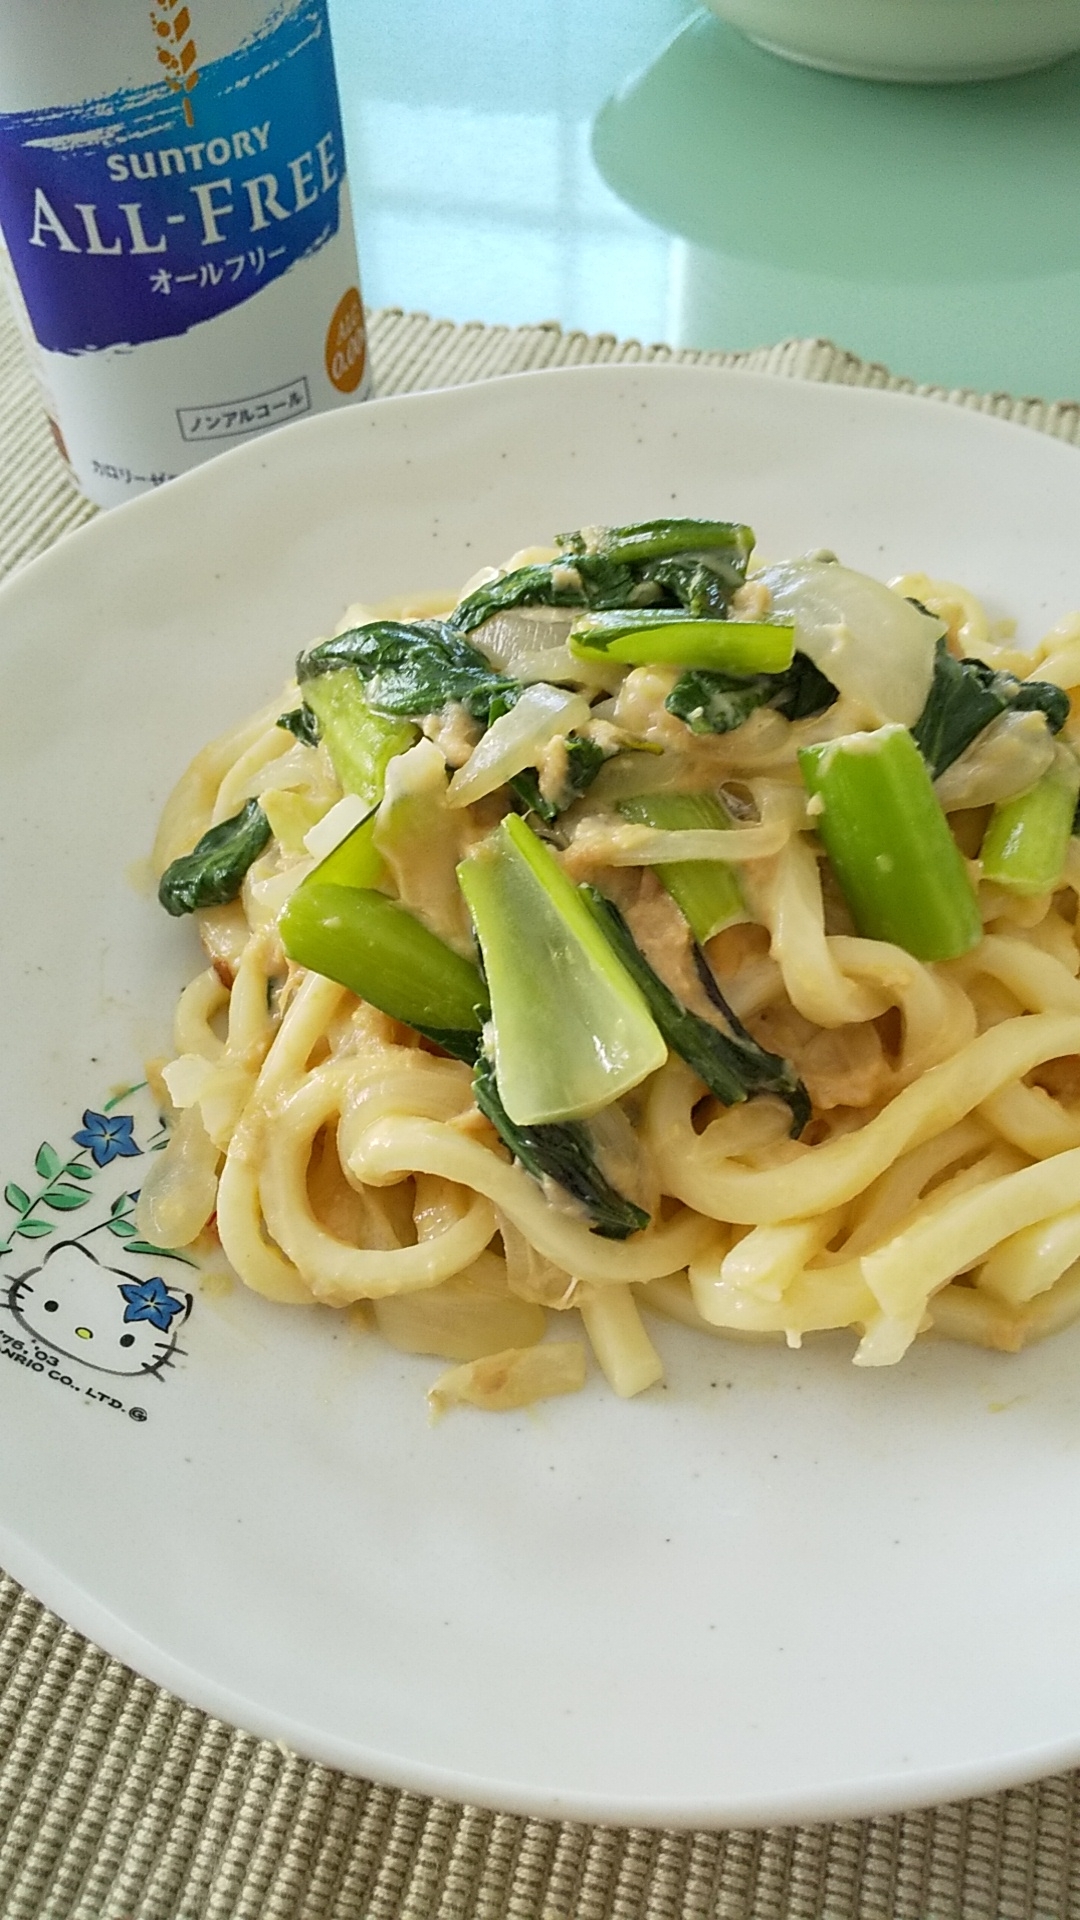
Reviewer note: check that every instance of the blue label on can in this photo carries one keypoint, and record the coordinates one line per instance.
(138, 215)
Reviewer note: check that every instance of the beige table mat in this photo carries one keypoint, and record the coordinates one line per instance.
(117, 1802)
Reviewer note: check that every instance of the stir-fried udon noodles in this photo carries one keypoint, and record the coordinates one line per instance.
(647, 931)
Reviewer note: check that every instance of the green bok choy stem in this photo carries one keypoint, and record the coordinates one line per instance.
(1027, 838)
(572, 1031)
(384, 955)
(361, 743)
(679, 639)
(901, 872)
(662, 540)
(707, 892)
(354, 862)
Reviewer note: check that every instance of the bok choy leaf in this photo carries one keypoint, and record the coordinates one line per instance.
(561, 1153)
(694, 564)
(302, 723)
(965, 695)
(733, 1066)
(412, 668)
(213, 872)
(584, 759)
(711, 702)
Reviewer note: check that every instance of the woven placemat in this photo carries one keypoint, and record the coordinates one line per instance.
(117, 1802)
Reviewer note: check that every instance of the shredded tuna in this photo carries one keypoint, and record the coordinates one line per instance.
(841, 1066)
(454, 732)
(751, 601)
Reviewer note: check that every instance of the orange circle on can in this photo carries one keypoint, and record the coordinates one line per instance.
(346, 343)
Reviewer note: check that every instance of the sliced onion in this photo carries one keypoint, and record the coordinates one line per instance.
(517, 740)
(1006, 758)
(335, 826)
(458, 1320)
(179, 1190)
(509, 640)
(530, 1274)
(530, 644)
(268, 884)
(517, 1378)
(420, 840)
(871, 643)
(623, 1158)
(186, 1078)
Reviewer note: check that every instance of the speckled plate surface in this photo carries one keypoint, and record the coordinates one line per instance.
(778, 1589)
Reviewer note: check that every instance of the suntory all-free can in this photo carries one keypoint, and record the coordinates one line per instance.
(174, 204)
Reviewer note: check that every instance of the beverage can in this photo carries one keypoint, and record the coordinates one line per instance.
(179, 240)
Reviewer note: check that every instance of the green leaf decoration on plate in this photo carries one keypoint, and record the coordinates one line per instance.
(65, 1199)
(16, 1198)
(122, 1227)
(34, 1229)
(163, 1253)
(48, 1163)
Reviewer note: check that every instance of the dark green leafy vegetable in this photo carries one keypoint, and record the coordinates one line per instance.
(303, 723)
(526, 785)
(733, 1066)
(584, 759)
(965, 695)
(1040, 696)
(662, 540)
(213, 872)
(414, 668)
(695, 564)
(562, 1153)
(711, 702)
(802, 691)
(697, 585)
(557, 583)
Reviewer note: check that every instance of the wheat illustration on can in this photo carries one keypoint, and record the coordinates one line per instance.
(179, 56)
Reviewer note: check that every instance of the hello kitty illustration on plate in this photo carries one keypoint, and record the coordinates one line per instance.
(76, 1304)
(104, 1317)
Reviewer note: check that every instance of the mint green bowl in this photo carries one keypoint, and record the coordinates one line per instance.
(913, 40)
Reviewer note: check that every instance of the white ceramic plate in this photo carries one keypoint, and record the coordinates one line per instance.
(780, 1589)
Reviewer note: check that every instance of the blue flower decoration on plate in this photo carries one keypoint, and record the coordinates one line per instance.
(109, 1136)
(151, 1300)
